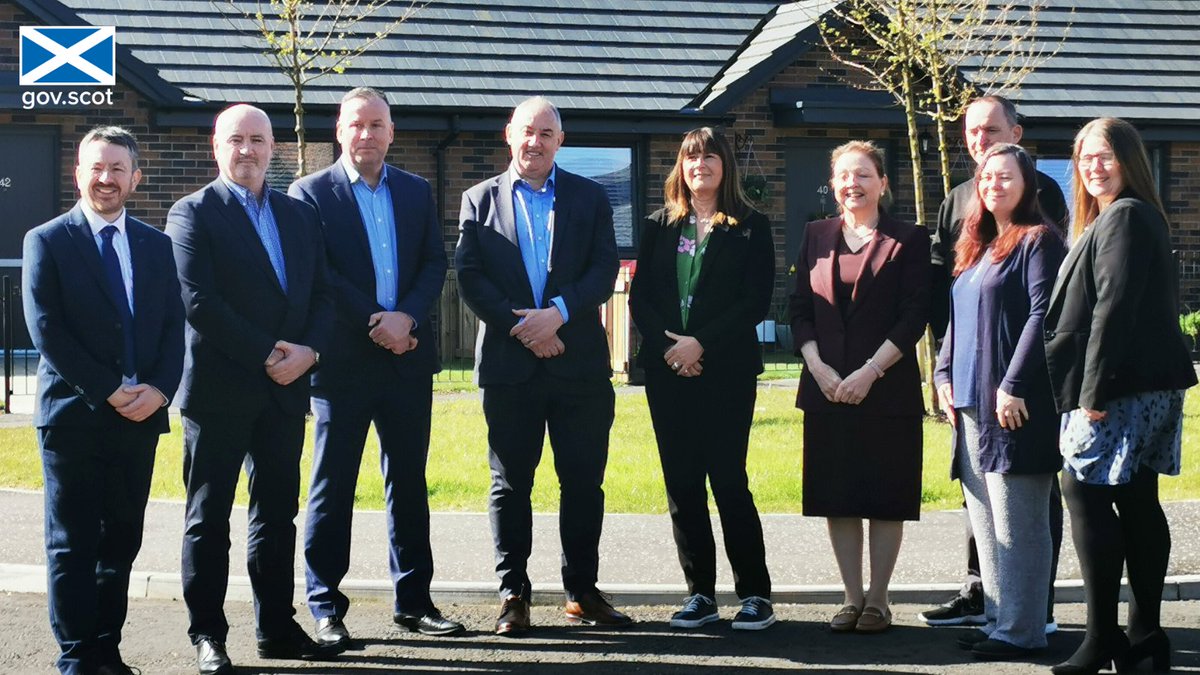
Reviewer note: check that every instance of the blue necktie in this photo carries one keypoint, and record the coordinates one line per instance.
(116, 289)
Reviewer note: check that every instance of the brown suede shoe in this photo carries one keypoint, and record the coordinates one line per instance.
(594, 609)
(514, 616)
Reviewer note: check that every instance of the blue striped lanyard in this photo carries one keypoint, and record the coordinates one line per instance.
(549, 227)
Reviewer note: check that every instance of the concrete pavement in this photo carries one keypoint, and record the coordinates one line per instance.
(637, 556)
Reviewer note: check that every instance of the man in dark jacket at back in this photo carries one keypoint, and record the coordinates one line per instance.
(988, 120)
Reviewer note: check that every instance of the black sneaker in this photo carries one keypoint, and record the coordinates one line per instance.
(959, 611)
(697, 611)
(756, 614)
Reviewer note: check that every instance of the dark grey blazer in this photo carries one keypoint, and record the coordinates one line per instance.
(493, 282)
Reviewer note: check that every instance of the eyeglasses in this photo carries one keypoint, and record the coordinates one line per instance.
(1104, 159)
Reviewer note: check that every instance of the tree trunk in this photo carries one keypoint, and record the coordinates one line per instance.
(943, 149)
(914, 145)
(298, 83)
(301, 169)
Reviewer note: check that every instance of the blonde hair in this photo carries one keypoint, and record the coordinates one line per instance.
(732, 203)
(1134, 163)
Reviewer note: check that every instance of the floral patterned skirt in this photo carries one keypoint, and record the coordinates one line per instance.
(1142, 431)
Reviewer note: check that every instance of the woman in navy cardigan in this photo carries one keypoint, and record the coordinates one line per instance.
(993, 384)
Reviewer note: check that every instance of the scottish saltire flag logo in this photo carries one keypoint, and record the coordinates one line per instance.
(68, 56)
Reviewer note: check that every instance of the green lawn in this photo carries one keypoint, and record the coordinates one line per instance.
(458, 471)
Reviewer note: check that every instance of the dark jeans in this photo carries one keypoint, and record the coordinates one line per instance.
(97, 482)
(1115, 526)
(215, 448)
(578, 415)
(973, 586)
(702, 425)
(400, 410)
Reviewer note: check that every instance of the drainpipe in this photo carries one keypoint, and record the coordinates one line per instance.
(440, 153)
(441, 320)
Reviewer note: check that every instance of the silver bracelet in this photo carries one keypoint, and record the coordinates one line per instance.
(875, 367)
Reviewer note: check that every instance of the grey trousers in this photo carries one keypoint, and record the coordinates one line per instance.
(1010, 516)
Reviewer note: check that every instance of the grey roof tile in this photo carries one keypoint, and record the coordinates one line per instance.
(609, 54)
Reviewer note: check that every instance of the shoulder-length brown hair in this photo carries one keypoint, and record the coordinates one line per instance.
(979, 229)
(1132, 160)
(732, 204)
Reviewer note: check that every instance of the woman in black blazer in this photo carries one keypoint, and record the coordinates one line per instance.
(705, 271)
(1119, 367)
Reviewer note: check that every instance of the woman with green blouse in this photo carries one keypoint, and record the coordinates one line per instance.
(704, 277)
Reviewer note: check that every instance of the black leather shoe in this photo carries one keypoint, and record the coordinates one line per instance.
(432, 623)
(514, 616)
(999, 650)
(117, 669)
(1156, 647)
(295, 645)
(969, 639)
(332, 633)
(212, 659)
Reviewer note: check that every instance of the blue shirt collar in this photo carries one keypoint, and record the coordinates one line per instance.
(518, 181)
(244, 194)
(354, 176)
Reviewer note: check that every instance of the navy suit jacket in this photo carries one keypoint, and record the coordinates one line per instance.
(77, 327)
(236, 309)
(420, 274)
(492, 279)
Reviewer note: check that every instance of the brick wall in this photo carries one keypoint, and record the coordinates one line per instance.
(1182, 201)
(176, 161)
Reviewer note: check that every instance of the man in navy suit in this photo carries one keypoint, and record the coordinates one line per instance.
(385, 249)
(255, 287)
(102, 305)
(536, 259)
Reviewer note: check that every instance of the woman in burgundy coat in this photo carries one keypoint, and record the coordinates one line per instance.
(860, 306)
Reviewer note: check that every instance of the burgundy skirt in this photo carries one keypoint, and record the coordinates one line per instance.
(862, 466)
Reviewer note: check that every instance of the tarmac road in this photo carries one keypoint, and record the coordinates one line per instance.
(156, 642)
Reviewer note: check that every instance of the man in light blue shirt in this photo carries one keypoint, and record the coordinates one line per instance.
(542, 357)
(383, 241)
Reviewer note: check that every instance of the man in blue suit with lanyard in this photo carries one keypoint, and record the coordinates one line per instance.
(103, 308)
(389, 264)
(536, 259)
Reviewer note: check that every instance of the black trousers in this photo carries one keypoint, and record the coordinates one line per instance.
(974, 582)
(1114, 525)
(215, 447)
(578, 415)
(702, 425)
(97, 482)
